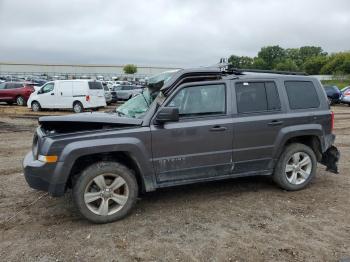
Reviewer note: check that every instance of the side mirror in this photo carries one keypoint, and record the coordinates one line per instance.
(168, 114)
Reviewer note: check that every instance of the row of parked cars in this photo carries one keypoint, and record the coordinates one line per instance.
(336, 96)
(66, 94)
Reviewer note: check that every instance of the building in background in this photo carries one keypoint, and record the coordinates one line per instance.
(68, 71)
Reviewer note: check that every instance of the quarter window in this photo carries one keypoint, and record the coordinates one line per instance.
(257, 97)
(301, 94)
(200, 100)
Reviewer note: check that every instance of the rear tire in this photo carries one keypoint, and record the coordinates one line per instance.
(296, 167)
(20, 101)
(78, 107)
(105, 192)
(36, 106)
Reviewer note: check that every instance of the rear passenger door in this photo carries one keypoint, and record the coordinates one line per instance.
(259, 118)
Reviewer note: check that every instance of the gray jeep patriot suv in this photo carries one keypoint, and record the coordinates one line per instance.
(187, 126)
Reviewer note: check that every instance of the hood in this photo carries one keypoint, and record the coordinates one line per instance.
(85, 122)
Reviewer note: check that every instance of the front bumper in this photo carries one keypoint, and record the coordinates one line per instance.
(40, 175)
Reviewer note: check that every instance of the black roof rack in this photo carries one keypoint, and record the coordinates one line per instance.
(238, 71)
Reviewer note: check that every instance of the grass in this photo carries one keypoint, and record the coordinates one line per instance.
(339, 83)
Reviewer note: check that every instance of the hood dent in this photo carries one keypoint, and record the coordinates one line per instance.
(85, 122)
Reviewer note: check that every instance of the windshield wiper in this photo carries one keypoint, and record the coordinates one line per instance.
(121, 113)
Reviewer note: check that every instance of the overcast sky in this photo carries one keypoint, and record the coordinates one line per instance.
(165, 32)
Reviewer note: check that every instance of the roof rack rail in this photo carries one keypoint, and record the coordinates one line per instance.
(239, 71)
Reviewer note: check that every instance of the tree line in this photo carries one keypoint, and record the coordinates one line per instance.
(310, 59)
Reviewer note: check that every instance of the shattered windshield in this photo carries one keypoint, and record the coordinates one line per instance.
(137, 106)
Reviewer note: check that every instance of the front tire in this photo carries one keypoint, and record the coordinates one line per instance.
(105, 192)
(36, 106)
(296, 167)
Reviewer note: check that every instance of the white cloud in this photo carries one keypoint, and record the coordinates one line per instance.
(181, 33)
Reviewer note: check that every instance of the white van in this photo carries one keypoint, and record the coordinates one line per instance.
(68, 94)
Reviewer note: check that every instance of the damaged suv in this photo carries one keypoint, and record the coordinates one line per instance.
(187, 126)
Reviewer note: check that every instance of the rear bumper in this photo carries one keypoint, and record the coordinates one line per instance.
(330, 159)
(331, 156)
(39, 176)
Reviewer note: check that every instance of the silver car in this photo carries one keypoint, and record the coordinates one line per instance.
(108, 94)
(125, 92)
(345, 95)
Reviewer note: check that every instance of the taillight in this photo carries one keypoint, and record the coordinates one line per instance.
(87, 98)
(332, 120)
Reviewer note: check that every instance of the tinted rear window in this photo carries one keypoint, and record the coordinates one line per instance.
(95, 85)
(301, 94)
(257, 97)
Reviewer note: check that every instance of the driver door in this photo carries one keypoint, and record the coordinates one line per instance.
(199, 145)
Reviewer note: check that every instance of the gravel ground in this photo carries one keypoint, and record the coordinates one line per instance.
(246, 219)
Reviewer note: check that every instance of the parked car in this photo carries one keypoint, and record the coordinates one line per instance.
(345, 95)
(125, 92)
(15, 92)
(38, 82)
(68, 94)
(108, 94)
(189, 126)
(333, 94)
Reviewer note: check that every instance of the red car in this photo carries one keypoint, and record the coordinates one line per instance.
(15, 92)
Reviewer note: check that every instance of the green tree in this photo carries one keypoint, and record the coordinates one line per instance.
(130, 69)
(287, 65)
(240, 61)
(314, 64)
(272, 55)
(294, 54)
(307, 52)
(234, 60)
(337, 63)
(259, 63)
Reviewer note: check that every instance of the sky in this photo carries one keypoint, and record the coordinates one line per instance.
(180, 33)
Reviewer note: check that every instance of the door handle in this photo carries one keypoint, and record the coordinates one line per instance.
(52, 94)
(275, 123)
(218, 128)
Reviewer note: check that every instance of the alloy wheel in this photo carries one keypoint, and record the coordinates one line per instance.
(298, 168)
(106, 194)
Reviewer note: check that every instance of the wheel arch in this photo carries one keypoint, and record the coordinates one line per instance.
(310, 135)
(77, 101)
(122, 157)
(128, 151)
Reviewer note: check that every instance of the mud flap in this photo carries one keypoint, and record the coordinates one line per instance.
(330, 159)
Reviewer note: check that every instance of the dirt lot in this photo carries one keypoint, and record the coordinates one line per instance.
(237, 220)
